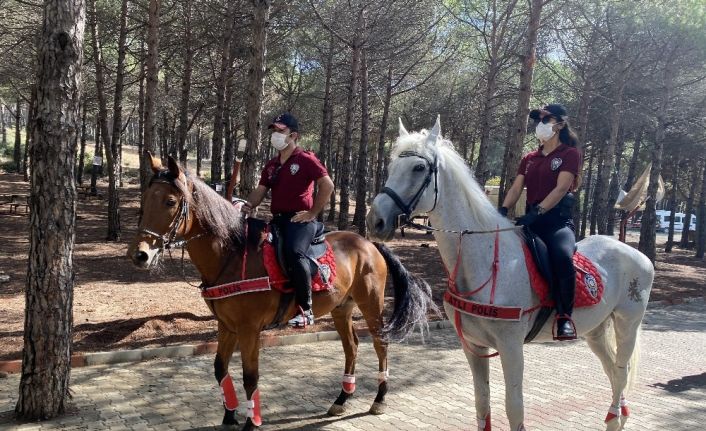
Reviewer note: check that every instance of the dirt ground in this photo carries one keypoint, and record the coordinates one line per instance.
(118, 307)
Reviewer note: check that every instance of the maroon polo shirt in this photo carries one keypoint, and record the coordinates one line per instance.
(542, 172)
(292, 183)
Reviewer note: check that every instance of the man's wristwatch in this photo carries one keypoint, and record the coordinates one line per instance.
(540, 210)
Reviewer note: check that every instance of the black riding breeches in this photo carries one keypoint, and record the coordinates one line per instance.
(558, 234)
(297, 239)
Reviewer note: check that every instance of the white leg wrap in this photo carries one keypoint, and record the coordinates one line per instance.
(383, 376)
(481, 424)
(348, 383)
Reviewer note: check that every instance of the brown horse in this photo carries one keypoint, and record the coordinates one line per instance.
(178, 208)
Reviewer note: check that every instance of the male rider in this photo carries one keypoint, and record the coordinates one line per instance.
(291, 175)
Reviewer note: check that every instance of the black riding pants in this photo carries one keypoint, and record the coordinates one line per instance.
(557, 232)
(297, 239)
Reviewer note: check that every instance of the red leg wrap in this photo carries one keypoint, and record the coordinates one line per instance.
(624, 409)
(613, 413)
(254, 408)
(230, 399)
(484, 424)
(348, 383)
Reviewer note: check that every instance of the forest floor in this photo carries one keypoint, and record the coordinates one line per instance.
(118, 307)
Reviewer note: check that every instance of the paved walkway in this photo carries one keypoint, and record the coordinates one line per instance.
(430, 387)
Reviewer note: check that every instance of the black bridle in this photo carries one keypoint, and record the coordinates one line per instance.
(432, 171)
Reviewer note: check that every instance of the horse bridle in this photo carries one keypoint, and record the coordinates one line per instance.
(407, 209)
(169, 240)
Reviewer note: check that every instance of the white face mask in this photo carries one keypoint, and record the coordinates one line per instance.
(278, 141)
(544, 132)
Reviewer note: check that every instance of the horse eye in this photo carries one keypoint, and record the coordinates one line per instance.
(171, 202)
(419, 168)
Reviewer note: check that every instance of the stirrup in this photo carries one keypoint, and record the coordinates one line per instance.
(555, 328)
(302, 319)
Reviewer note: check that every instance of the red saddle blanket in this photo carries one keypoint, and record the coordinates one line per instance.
(589, 285)
(322, 280)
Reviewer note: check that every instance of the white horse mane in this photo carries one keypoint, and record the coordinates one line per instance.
(482, 210)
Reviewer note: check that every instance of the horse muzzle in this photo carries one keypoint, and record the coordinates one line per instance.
(142, 256)
(382, 219)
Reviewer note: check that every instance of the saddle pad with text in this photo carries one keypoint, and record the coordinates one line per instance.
(322, 280)
(589, 285)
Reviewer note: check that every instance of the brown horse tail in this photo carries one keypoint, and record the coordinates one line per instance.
(413, 300)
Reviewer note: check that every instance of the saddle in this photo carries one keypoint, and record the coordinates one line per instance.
(589, 284)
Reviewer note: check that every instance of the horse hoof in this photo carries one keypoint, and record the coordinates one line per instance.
(377, 408)
(249, 426)
(337, 410)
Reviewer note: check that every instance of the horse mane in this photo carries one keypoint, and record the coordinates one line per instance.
(216, 215)
(481, 209)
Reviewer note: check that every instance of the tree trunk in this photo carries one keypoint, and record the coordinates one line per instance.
(2, 124)
(141, 118)
(587, 195)
(199, 152)
(335, 158)
(114, 153)
(31, 114)
(701, 218)
(604, 208)
(672, 213)
(256, 89)
(96, 167)
(632, 169)
(229, 149)
(512, 162)
(113, 197)
(185, 84)
(693, 186)
(648, 235)
(79, 171)
(362, 179)
(218, 117)
(327, 110)
(46, 357)
(152, 77)
(17, 154)
(482, 166)
(614, 188)
(380, 161)
(348, 131)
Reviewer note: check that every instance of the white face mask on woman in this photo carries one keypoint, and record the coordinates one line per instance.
(544, 132)
(278, 141)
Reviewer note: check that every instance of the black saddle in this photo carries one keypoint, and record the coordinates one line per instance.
(315, 251)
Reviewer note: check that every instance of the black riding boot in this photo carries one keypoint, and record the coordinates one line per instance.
(564, 299)
(300, 275)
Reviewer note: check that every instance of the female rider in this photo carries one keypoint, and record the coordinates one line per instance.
(551, 175)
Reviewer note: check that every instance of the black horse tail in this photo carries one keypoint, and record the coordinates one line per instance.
(413, 300)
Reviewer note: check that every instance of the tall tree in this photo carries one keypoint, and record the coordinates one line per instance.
(152, 78)
(46, 358)
(362, 178)
(255, 91)
(17, 153)
(514, 148)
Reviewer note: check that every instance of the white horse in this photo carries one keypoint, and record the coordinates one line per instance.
(427, 176)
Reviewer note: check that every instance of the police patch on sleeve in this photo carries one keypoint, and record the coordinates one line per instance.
(294, 168)
(556, 162)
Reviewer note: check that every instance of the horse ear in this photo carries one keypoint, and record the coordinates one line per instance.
(174, 168)
(403, 131)
(436, 130)
(154, 162)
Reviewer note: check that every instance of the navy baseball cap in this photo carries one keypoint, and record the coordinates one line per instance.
(555, 110)
(287, 120)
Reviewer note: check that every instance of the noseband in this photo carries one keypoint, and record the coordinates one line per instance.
(407, 209)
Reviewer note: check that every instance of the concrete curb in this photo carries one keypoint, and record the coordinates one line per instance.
(180, 351)
(266, 340)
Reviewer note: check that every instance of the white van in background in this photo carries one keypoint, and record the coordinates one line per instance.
(663, 219)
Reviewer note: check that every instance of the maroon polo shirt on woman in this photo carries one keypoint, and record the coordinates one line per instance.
(292, 183)
(542, 172)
